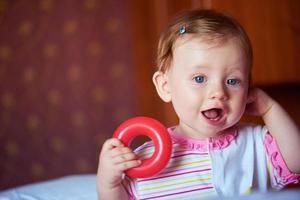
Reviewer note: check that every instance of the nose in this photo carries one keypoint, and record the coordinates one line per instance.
(218, 92)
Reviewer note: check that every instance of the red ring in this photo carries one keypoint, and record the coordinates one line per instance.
(157, 133)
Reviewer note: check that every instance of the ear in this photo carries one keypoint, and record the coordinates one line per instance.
(250, 96)
(161, 83)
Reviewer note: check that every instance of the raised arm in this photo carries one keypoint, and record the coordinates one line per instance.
(279, 124)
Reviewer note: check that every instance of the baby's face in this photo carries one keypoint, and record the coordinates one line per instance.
(208, 84)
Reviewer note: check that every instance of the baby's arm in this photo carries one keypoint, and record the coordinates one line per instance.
(114, 160)
(279, 124)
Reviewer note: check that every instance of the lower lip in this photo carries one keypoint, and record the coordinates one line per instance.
(215, 122)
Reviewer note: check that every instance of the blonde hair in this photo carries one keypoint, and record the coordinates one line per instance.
(201, 23)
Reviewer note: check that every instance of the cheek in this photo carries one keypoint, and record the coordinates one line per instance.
(242, 104)
(185, 101)
(240, 99)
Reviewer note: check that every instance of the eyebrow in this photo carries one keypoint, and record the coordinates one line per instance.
(236, 68)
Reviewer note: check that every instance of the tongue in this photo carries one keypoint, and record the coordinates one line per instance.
(211, 114)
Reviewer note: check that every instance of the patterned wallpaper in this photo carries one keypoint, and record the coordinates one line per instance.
(65, 84)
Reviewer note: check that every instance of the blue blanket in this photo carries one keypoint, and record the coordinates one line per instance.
(77, 187)
(83, 187)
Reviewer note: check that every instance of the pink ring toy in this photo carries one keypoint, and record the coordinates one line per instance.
(152, 128)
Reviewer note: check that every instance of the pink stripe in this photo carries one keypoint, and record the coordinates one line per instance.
(206, 188)
(186, 188)
(174, 175)
(187, 151)
(187, 154)
(145, 148)
(184, 169)
(149, 145)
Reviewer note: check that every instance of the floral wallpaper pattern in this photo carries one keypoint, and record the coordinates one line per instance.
(65, 84)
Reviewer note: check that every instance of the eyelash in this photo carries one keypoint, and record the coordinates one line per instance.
(202, 79)
(237, 81)
(199, 79)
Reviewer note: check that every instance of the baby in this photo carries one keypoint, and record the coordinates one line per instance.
(204, 63)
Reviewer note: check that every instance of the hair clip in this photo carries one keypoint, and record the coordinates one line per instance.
(182, 30)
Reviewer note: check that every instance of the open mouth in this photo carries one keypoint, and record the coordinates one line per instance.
(213, 114)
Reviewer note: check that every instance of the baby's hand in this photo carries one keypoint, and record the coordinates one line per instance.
(259, 102)
(115, 158)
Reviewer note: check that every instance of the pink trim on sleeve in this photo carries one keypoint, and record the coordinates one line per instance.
(285, 175)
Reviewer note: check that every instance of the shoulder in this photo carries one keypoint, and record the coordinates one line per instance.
(248, 134)
(251, 130)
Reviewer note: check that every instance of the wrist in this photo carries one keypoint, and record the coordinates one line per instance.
(109, 183)
(117, 192)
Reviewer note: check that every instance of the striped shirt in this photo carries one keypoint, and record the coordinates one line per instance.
(225, 166)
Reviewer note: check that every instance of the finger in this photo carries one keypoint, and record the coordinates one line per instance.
(111, 144)
(119, 151)
(124, 158)
(128, 165)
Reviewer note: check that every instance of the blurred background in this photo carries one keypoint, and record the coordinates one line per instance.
(72, 70)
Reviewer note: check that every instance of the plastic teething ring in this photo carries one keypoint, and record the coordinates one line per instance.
(152, 128)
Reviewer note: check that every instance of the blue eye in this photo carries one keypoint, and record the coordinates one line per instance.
(199, 79)
(232, 81)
